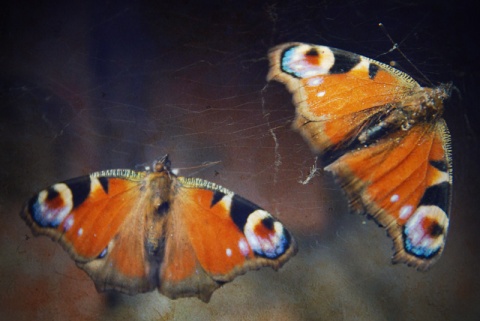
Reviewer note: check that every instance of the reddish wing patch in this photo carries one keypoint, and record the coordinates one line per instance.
(264, 231)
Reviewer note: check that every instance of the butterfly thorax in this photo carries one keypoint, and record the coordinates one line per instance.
(424, 105)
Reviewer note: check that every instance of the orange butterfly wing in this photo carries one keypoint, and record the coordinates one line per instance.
(96, 219)
(383, 137)
(404, 184)
(228, 235)
(136, 231)
(333, 104)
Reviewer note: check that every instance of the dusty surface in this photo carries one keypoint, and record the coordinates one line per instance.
(88, 87)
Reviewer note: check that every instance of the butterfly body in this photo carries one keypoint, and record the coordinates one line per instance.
(134, 231)
(382, 136)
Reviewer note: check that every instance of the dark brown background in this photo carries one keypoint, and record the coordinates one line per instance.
(96, 85)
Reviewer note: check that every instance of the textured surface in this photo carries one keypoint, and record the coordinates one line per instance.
(86, 87)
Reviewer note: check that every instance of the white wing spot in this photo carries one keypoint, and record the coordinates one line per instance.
(314, 82)
(394, 198)
(80, 232)
(321, 93)
(229, 252)
(405, 211)
(68, 222)
(243, 247)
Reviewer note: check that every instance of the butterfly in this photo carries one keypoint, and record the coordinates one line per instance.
(134, 231)
(382, 136)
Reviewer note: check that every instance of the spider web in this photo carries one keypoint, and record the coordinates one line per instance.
(88, 87)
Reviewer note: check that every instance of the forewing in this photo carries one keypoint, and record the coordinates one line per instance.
(99, 220)
(335, 92)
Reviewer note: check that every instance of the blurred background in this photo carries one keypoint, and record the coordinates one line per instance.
(91, 85)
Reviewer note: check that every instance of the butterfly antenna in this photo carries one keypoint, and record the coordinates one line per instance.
(203, 165)
(198, 168)
(397, 47)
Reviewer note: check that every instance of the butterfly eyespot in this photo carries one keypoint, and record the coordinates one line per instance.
(265, 236)
(424, 232)
(51, 206)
